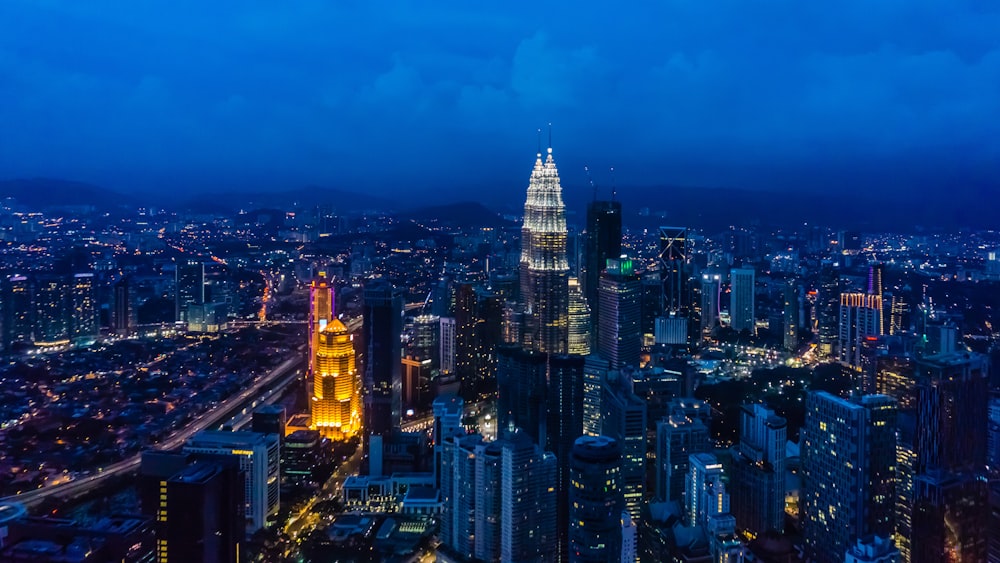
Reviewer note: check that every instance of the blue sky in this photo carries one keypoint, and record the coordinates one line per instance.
(413, 97)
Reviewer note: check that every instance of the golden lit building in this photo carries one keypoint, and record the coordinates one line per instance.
(320, 313)
(336, 402)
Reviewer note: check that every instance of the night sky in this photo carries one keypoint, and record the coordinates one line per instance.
(405, 99)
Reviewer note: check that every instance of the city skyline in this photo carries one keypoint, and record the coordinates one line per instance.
(782, 97)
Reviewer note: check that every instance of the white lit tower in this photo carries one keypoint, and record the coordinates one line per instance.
(544, 269)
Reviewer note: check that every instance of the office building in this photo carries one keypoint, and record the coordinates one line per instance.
(448, 411)
(677, 438)
(848, 472)
(579, 321)
(705, 494)
(950, 514)
(122, 319)
(200, 517)
(623, 418)
(790, 316)
(828, 310)
(618, 336)
(603, 241)
(527, 521)
(382, 327)
(336, 401)
(860, 318)
(596, 500)
(259, 459)
(758, 472)
(269, 419)
(629, 535)
(447, 345)
(741, 306)
(711, 287)
(544, 269)
(673, 262)
(301, 452)
(190, 286)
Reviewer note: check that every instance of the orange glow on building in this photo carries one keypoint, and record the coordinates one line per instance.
(336, 402)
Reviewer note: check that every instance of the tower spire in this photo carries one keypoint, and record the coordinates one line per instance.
(550, 137)
(540, 142)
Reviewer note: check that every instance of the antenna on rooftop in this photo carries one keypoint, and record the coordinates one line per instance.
(614, 185)
(591, 181)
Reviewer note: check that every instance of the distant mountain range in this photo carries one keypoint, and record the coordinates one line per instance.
(707, 208)
(43, 193)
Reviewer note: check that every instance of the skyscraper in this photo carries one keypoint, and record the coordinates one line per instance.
(382, 326)
(122, 319)
(596, 500)
(758, 483)
(604, 240)
(623, 418)
(579, 321)
(950, 496)
(860, 317)
(705, 494)
(527, 494)
(848, 475)
(710, 288)
(51, 320)
(790, 314)
(200, 517)
(19, 309)
(741, 307)
(259, 456)
(83, 308)
(544, 269)
(618, 335)
(320, 313)
(336, 401)
(672, 258)
(677, 438)
(827, 309)
(190, 282)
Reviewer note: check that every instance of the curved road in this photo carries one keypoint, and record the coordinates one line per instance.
(203, 421)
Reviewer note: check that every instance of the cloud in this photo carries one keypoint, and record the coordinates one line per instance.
(377, 93)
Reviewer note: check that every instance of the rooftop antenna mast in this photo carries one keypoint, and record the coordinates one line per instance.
(614, 185)
(550, 136)
(591, 181)
(539, 141)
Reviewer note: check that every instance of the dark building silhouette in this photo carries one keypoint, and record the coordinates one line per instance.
(604, 240)
(200, 515)
(381, 328)
(596, 500)
(619, 339)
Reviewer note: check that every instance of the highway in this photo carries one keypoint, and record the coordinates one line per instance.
(207, 420)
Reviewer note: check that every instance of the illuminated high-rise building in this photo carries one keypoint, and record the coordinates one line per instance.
(190, 286)
(741, 308)
(83, 308)
(848, 472)
(579, 320)
(860, 317)
(320, 313)
(51, 320)
(790, 314)
(619, 338)
(544, 268)
(336, 403)
(19, 309)
(758, 478)
(710, 289)
(828, 309)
